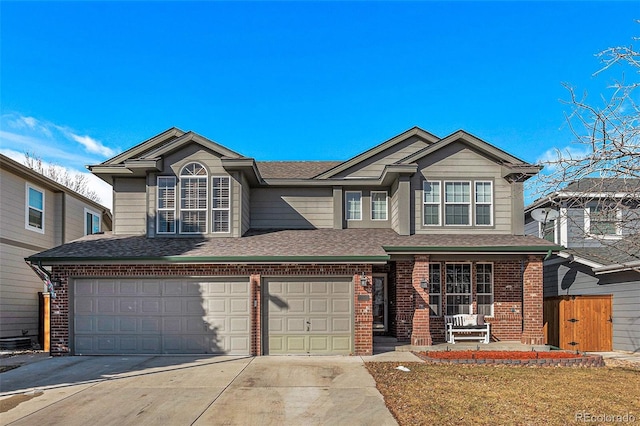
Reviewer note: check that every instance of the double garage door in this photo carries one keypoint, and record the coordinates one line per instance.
(211, 316)
(161, 316)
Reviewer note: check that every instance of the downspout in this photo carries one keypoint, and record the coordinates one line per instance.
(44, 275)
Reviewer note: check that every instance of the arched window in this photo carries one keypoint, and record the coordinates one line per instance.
(193, 199)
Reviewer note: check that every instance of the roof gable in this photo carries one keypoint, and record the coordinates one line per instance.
(367, 156)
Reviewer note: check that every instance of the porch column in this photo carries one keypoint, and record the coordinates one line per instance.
(420, 334)
(404, 300)
(364, 313)
(256, 315)
(532, 297)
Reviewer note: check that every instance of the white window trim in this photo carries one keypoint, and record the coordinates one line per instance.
(346, 205)
(439, 203)
(27, 207)
(386, 205)
(476, 203)
(175, 205)
(446, 293)
(439, 295)
(93, 213)
(590, 235)
(214, 209)
(205, 209)
(444, 201)
(493, 289)
(555, 230)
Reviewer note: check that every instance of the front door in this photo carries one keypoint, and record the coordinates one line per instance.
(380, 302)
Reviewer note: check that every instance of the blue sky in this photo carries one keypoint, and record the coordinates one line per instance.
(82, 81)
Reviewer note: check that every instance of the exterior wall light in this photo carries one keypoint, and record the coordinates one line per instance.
(363, 279)
(424, 284)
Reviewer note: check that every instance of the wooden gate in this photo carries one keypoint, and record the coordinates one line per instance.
(583, 323)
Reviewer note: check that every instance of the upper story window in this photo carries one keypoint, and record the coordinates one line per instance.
(193, 199)
(220, 204)
(353, 201)
(34, 211)
(91, 222)
(484, 203)
(462, 201)
(602, 220)
(548, 230)
(166, 213)
(379, 208)
(457, 203)
(431, 203)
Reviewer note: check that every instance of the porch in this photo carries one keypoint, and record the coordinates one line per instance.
(386, 344)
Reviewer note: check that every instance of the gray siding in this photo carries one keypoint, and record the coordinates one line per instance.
(18, 293)
(458, 162)
(291, 208)
(245, 205)
(532, 228)
(576, 279)
(129, 206)
(374, 166)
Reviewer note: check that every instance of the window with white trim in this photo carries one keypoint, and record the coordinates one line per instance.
(34, 212)
(193, 199)
(548, 230)
(602, 220)
(484, 289)
(458, 288)
(379, 205)
(91, 222)
(484, 203)
(220, 204)
(353, 201)
(435, 288)
(166, 209)
(431, 203)
(457, 203)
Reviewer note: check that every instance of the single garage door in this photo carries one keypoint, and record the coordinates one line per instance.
(161, 316)
(309, 316)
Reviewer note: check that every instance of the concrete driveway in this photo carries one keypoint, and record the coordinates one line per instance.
(192, 390)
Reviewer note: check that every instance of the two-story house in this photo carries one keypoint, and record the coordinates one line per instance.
(215, 252)
(597, 221)
(36, 213)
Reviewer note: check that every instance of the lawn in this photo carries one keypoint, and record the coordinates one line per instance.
(489, 395)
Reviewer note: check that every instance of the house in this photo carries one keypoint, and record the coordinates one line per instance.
(36, 214)
(598, 223)
(215, 252)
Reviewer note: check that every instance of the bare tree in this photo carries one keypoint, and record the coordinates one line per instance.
(75, 181)
(601, 169)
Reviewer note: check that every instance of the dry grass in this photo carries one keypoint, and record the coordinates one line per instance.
(489, 395)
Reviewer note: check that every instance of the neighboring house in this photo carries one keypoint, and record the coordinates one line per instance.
(36, 214)
(599, 225)
(214, 252)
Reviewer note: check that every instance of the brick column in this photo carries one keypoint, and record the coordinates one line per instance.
(420, 334)
(532, 302)
(404, 300)
(364, 313)
(256, 316)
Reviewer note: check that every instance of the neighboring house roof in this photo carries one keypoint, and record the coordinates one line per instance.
(300, 246)
(591, 188)
(31, 175)
(621, 255)
(294, 169)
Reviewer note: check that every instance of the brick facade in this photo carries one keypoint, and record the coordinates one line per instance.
(62, 275)
(507, 323)
(409, 318)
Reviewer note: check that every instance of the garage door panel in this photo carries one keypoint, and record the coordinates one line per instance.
(309, 315)
(155, 316)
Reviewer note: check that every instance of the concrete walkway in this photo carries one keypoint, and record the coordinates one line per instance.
(191, 390)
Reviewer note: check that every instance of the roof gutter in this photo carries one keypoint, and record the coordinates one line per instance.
(618, 267)
(241, 260)
(477, 250)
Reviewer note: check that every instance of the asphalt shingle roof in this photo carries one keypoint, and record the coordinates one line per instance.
(604, 185)
(343, 243)
(620, 252)
(294, 169)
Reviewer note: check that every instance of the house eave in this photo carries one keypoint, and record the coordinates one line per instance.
(244, 260)
(537, 250)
